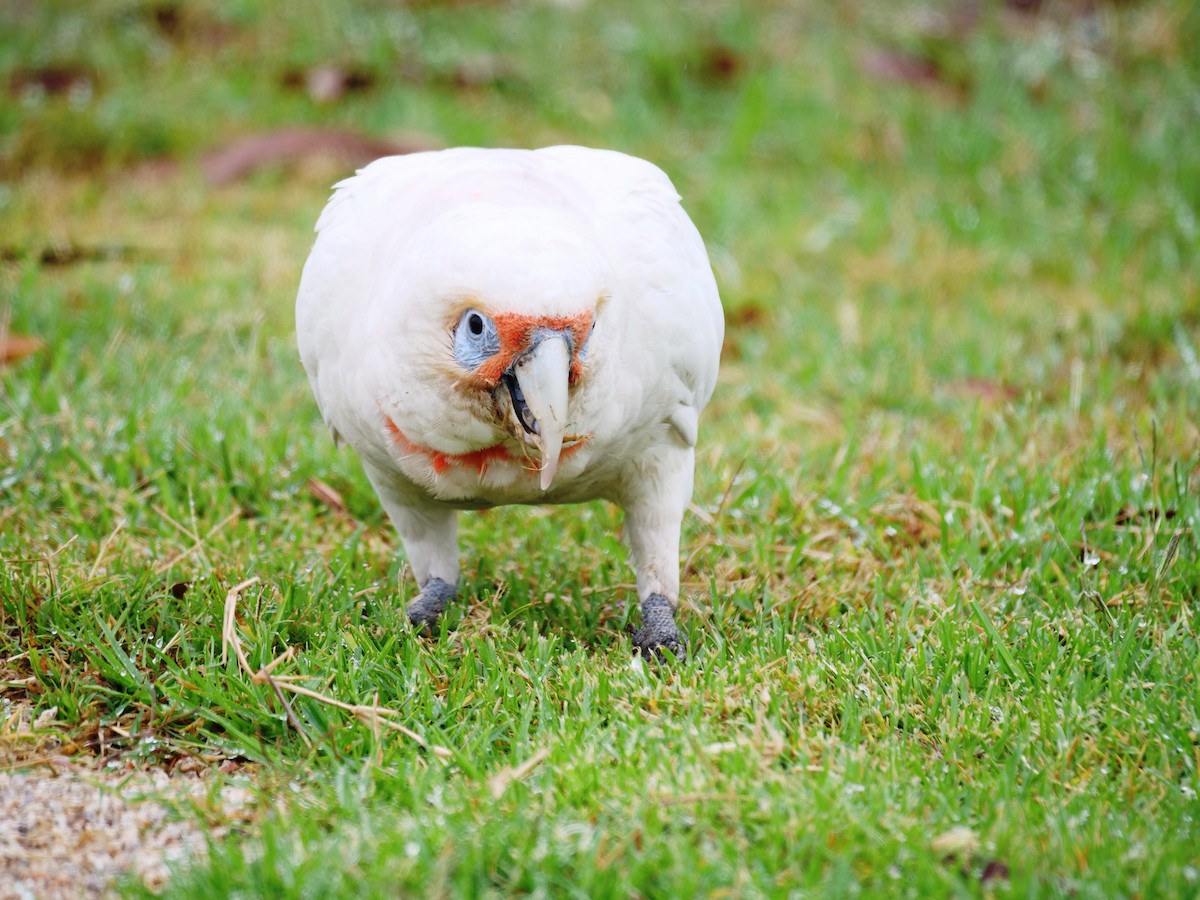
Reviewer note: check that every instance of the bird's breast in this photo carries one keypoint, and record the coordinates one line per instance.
(504, 473)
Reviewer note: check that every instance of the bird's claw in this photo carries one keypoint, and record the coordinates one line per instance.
(428, 605)
(659, 632)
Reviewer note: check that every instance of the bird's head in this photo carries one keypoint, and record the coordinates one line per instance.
(528, 363)
(519, 295)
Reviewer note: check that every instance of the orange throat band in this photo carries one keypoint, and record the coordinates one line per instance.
(479, 460)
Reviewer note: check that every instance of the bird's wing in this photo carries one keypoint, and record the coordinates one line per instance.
(365, 212)
(657, 254)
(660, 259)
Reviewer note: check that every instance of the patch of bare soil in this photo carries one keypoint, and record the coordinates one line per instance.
(72, 822)
(70, 831)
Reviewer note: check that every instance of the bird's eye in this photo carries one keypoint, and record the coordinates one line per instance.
(476, 339)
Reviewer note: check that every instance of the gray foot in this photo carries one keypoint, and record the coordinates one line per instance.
(425, 609)
(658, 631)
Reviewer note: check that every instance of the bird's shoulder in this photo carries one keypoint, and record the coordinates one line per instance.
(610, 178)
(404, 191)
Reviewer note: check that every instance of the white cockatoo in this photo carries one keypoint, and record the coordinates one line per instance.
(489, 327)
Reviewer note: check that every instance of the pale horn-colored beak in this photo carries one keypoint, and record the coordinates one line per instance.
(543, 374)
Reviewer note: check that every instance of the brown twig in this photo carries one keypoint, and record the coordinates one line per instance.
(373, 716)
(505, 777)
(170, 561)
(287, 707)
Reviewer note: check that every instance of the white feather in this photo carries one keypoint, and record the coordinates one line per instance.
(408, 240)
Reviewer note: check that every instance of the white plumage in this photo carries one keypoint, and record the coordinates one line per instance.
(509, 326)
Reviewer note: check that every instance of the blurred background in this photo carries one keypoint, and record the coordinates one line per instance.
(912, 207)
(788, 126)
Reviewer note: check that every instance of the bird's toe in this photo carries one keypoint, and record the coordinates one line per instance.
(659, 635)
(660, 649)
(427, 607)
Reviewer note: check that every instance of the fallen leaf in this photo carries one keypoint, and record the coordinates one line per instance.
(911, 69)
(328, 83)
(956, 21)
(995, 870)
(16, 346)
(721, 63)
(1128, 515)
(53, 80)
(481, 70)
(985, 389)
(955, 843)
(328, 496)
(892, 65)
(289, 145)
(67, 254)
(167, 18)
(452, 3)
(181, 24)
(748, 315)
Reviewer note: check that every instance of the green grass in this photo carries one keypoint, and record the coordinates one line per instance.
(941, 570)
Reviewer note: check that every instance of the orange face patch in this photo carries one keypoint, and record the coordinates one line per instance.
(516, 332)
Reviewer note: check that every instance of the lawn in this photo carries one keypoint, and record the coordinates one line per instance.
(940, 574)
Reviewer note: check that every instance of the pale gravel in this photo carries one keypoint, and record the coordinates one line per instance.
(71, 832)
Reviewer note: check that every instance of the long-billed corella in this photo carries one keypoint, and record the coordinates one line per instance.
(490, 327)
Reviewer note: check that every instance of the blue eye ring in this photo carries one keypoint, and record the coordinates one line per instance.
(587, 340)
(476, 339)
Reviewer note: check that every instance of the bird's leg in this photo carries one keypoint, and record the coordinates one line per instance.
(653, 516)
(430, 538)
